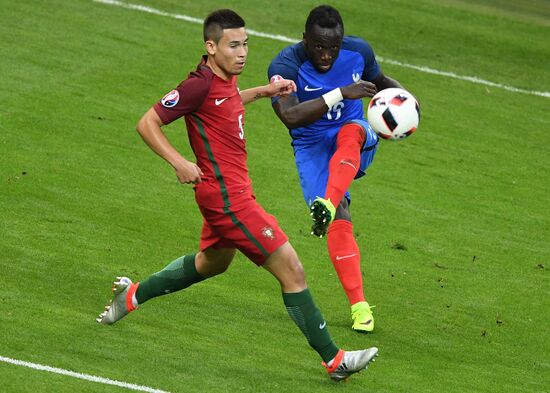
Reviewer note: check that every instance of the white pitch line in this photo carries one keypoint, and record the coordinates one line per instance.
(87, 377)
(473, 79)
(278, 37)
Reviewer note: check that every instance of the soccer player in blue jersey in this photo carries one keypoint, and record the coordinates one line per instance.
(333, 144)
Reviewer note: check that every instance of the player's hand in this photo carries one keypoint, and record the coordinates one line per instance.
(280, 87)
(188, 172)
(359, 89)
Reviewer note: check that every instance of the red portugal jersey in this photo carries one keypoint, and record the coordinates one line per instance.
(214, 115)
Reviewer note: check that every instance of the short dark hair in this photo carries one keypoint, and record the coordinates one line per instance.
(324, 16)
(219, 20)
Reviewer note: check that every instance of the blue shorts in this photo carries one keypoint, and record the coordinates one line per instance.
(312, 161)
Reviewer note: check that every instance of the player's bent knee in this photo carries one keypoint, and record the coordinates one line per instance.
(352, 131)
(296, 274)
(297, 271)
(285, 265)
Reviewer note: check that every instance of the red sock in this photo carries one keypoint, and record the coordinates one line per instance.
(344, 253)
(344, 164)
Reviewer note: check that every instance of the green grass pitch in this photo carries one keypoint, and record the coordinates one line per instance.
(453, 223)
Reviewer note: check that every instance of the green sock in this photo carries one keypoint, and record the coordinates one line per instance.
(306, 315)
(178, 275)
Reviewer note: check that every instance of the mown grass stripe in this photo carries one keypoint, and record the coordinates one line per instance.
(278, 37)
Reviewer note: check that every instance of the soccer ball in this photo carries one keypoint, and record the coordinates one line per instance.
(393, 113)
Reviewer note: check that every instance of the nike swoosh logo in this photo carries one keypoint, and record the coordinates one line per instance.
(307, 88)
(219, 102)
(348, 163)
(322, 325)
(345, 256)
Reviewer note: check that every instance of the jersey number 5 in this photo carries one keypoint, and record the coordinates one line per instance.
(335, 112)
(241, 133)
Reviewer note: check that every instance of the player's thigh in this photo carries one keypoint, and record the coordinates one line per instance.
(312, 165)
(257, 234)
(250, 229)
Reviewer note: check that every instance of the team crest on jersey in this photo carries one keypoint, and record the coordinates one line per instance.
(268, 232)
(356, 76)
(171, 99)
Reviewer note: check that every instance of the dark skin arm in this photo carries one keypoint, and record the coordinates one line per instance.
(295, 114)
(384, 82)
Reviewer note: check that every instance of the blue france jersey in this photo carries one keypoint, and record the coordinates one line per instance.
(355, 61)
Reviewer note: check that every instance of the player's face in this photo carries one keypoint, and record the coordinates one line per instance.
(322, 46)
(231, 50)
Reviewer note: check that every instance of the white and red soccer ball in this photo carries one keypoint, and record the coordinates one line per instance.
(393, 113)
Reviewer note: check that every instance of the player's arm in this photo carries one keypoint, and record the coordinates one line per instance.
(149, 127)
(384, 82)
(281, 87)
(294, 113)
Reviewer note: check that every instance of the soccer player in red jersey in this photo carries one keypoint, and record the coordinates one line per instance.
(233, 220)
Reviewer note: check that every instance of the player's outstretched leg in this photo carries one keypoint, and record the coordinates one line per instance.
(347, 363)
(121, 305)
(179, 274)
(361, 315)
(322, 212)
(346, 258)
(301, 308)
(339, 364)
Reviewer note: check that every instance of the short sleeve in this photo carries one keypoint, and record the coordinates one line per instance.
(287, 71)
(286, 64)
(372, 69)
(184, 99)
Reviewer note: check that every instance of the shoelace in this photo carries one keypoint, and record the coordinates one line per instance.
(369, 308)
